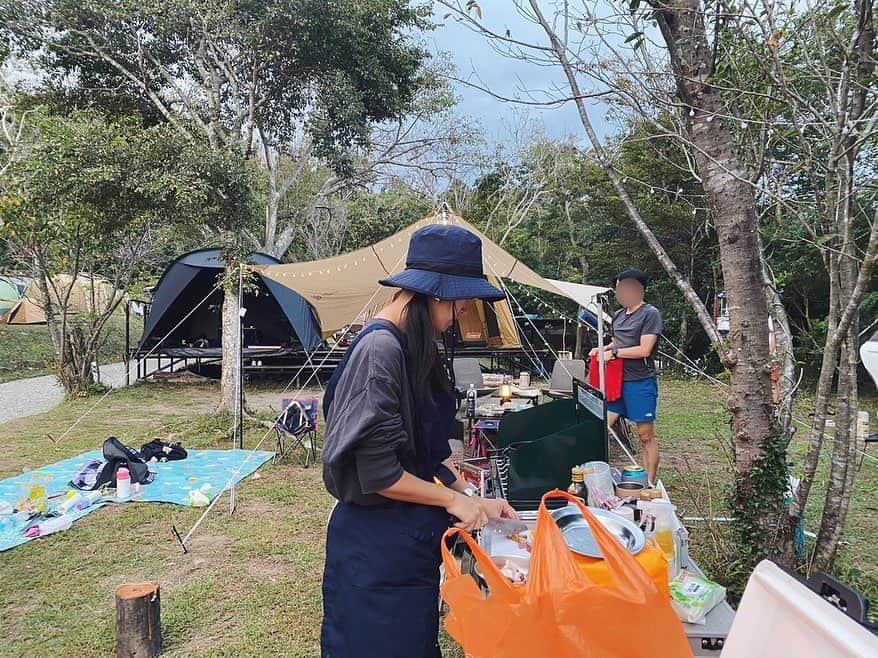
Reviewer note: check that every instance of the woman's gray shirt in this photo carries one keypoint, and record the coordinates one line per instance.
(370, 426)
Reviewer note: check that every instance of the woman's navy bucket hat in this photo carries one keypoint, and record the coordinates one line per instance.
(445, 262)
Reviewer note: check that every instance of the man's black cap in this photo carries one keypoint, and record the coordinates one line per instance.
(632, 274)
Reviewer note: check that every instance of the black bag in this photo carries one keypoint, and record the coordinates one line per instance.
(163, 452)
(116, 456)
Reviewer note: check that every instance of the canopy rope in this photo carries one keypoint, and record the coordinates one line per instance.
(268, 432)
(127, 372)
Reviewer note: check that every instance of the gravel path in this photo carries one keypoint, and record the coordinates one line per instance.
(36, 395)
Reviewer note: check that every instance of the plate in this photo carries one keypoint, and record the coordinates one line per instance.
(580, 539)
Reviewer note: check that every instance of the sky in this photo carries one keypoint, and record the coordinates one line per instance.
(476, 60)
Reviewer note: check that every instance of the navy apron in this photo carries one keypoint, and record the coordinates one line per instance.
(381, 577)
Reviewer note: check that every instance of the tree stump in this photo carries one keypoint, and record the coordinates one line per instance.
(138, 624)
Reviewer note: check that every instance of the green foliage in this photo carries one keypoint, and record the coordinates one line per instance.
(90, 196)
(757, 505)
(581, 217)
(378, 215)
(94, 184)
(335, 67)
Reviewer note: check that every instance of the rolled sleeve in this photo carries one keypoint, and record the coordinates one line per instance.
(374, 418)
(368, 437)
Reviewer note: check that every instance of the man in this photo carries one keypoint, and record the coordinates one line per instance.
(636, 330)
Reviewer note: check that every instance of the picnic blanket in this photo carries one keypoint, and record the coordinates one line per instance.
(208, 471)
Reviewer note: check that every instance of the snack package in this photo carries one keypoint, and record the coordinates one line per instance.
(692, 597)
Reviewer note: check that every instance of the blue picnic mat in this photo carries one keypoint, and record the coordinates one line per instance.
(206, 471)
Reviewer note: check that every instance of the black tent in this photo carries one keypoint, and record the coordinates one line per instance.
(275, 316)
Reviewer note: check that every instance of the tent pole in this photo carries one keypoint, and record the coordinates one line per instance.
(241, 312)
(602, 366)
(239, 382)
(127, 342)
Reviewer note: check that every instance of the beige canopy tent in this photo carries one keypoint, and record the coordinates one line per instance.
(490, 323)
(344, 289)
(87, 293)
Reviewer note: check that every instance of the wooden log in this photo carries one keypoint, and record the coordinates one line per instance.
(138, 623)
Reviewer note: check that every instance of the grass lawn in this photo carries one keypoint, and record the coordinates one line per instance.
(250, 585)
(26, 350)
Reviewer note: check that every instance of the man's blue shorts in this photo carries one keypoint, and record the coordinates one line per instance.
(639, 401)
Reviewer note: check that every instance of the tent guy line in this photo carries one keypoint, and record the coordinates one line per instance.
(127, 373)
(268, 432)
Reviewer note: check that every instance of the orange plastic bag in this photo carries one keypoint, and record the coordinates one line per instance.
(559, 613)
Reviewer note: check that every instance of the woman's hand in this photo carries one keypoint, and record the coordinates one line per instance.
(497, 508)
(469, 511)
(593, 351)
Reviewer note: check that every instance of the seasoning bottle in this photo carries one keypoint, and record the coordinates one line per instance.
(577, 485)
(471, 397)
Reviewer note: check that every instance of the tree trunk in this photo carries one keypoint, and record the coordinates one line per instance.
(230, 346)
(842, 470)
(270, 245)
(683, 284)
(760, 462)
(138, 621)
(784, 355)
(683, 337)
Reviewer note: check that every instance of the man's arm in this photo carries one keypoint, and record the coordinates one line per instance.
(642, 351)
(609, 347)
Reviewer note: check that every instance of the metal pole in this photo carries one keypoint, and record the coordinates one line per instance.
(127, 342)
(240, 357)
(602, 366)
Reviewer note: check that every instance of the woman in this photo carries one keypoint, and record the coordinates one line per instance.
(390, 408)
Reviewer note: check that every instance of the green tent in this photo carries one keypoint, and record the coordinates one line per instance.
(10, 293)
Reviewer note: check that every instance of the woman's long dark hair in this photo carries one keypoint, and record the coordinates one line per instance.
(428, 375)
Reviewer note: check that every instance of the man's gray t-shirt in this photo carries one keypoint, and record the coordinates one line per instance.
(627, 330)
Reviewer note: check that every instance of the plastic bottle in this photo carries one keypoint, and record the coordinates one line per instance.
(72, 500)
(665, 532)
(49, 526)
(471, 397)
(123, 484)
(89, 498)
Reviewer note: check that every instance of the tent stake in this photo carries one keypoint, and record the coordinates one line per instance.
(179, 539)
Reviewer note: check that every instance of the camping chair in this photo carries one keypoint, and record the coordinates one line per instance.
(466, 372)
(869, 440)
(563, 373)
(297, 428)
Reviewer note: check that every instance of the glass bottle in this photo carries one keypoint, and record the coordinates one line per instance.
(577, 485)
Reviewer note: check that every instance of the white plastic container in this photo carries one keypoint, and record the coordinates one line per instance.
(778, 616)
(598, 475)
(666, 533)
(71, 501)
(123, 484)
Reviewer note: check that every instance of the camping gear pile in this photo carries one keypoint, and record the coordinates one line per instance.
(538, 449)
(559, 611)
(52, 498)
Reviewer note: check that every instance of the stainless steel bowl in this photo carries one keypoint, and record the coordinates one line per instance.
(580, 538)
